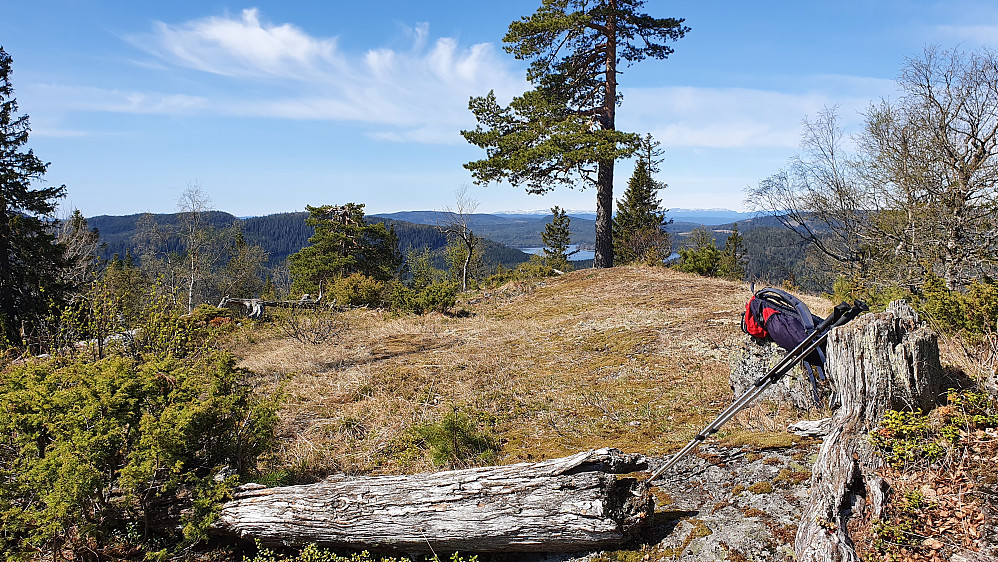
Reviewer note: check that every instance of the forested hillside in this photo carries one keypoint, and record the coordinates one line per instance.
(517, 231)
(773, 254)
(280, 235)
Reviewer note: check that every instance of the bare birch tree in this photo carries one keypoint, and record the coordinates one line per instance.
(458, 225)
(194, 204)
(934, 152)
(921, 194)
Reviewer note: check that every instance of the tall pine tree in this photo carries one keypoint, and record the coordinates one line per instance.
(733, 260)
(565, 129)
(30, 258)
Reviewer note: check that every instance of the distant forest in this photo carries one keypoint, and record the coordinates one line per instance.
(280, 235)
(774, 254)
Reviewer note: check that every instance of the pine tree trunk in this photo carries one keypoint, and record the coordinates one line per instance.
(879, 362)
(604, 216)
(560, 505)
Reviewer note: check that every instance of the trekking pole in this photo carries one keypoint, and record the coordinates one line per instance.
(841, 314)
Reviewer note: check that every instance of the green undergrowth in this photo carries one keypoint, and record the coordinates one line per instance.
(943, 466)
(457, 439)
(130, 454)
(899, 530)
(972, 312)
(912, 439)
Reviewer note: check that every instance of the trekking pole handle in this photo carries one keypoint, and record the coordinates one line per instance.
(851, 312)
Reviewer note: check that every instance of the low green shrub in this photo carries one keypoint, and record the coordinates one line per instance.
(165, 331)
(457, 440)
(899, 530)
(904, 438)
(358, 290)
(972, 312)
(702, 261)
(121, 451)
(850, 289)
(436, 297)
(909, 438)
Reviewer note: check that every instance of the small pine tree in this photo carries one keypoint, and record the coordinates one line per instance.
(557, 237)
(639, 226)
(732, 265)
(701, 255)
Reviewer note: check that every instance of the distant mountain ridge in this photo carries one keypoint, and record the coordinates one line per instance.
(282, 234)
(516, 231)
(706, 217)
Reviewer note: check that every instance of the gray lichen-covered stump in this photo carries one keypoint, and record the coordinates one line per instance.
(560, 505)
(879, 362)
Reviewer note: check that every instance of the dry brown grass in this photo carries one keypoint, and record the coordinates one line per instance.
(633, 357)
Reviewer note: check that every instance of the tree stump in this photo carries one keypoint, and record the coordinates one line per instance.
(879, 362)
(560, 505)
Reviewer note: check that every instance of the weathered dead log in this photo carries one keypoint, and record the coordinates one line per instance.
(560, 505)
(879, 362)
(256, 307)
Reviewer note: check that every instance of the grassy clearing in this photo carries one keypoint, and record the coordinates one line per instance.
(633, 357)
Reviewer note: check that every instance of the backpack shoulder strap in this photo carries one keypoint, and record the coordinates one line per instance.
(785, 302)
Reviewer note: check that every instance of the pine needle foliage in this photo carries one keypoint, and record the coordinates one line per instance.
(31, 260)
(344, 243)
(639, 234)
(557, 237)
(563, 130)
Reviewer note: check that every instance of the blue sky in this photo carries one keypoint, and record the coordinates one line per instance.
(270, 106)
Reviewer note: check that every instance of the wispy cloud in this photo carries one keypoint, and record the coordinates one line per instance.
(415, 95)
(85, 98)
(242, 46)
(981, 34)
(241, 65)
(742, 117)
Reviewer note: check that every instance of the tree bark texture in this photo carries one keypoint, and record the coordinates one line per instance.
(603, 256)
(559, 505)
(879, 362)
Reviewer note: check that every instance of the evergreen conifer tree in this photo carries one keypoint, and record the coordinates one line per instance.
(564, 129)
(30, 258)
(639, 226)
(700, 255)
(557, 237)
(344, 243)
(732, 264)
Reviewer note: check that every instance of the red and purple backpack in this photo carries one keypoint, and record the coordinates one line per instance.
(777, 316)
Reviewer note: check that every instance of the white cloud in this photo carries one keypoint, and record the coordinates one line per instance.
(242, 46)
(84, 98)
(246, 67)
(982, 34)
(421, 93)
(742, 117)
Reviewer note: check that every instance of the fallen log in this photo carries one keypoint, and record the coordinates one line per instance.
(559, 505)
(255, 308)
(879, 362)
